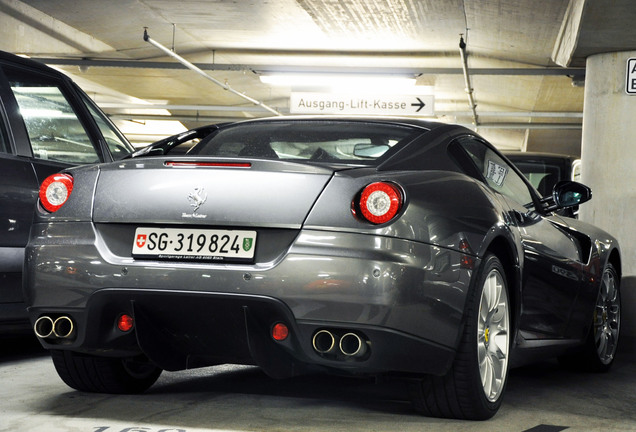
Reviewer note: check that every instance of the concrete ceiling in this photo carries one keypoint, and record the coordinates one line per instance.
(525, 58)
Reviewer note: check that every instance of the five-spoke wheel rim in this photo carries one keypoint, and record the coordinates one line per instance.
(607, 318)
(493, 335)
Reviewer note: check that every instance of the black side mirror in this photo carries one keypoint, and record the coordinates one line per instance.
(567, 193)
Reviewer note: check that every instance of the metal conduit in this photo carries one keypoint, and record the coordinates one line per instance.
(191, 66)
(469, 89)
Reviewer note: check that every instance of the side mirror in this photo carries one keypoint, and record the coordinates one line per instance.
(567, 193)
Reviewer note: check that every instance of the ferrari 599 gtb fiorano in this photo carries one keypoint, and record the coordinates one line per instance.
(391, 247)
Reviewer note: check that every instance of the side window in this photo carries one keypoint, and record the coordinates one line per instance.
(117, 144)
(496, 172)
(4, 142)
(54, 129)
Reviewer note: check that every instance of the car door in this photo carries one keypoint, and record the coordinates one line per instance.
(551, 265)
(17, 195)
(42, 131)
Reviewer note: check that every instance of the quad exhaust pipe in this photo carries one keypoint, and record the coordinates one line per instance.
(349, 344)
(61, 327)
(352, 345)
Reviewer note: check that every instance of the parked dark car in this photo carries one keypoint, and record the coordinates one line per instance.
(382, 247)
(47, 124)
(544, 170)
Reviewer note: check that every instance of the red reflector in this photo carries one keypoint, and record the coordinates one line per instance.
(280, 332)
(208, 164)
(466, 261)
(125, 323)
(55, 190)
(380, 202)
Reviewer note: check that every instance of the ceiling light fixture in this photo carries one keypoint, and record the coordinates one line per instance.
(351, 82)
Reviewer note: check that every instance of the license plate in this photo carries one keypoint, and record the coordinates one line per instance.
(194, 244)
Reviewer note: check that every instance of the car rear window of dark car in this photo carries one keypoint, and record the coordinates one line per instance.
(358, 142)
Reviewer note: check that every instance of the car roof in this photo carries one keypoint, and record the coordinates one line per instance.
(6, 57)
(406, 121)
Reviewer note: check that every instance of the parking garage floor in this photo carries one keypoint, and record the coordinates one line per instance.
(539, 398)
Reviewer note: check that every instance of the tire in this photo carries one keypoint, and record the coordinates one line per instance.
(599, 351)
(474, 386)
(95, 374)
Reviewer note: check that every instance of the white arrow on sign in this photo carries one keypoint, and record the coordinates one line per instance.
(356, 104)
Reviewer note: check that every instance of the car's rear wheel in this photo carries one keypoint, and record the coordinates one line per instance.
(95, 374)
(474, 386)
(597, 355)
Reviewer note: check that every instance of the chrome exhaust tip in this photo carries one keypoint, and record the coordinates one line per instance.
(352, 345)
(324, 341)
(43, 327)
(63, 327)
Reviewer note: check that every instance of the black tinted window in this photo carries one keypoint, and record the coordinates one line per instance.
(495, 171)
(543, 176)
(4, 142)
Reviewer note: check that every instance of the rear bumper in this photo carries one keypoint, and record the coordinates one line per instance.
(180, 330)
(405, 299)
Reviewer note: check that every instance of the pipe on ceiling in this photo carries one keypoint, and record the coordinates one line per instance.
(469, 89)
(255, 109)
(194, 68)
(574, 72)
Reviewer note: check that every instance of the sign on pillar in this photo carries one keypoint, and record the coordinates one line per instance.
(630, 86)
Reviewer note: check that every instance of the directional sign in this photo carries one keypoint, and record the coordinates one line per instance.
(354, 104)
(630, 86)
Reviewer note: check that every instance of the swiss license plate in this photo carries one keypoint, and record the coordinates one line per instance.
(194, 244)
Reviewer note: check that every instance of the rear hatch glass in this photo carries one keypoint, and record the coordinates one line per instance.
(322, 141)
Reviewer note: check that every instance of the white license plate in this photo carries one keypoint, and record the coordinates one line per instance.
(194, 244)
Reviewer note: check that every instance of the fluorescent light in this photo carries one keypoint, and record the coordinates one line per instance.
(351, 82)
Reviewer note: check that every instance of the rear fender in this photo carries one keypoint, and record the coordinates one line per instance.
(441, 208)
(77, 208)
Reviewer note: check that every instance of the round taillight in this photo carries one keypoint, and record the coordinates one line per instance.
(125, 323)
(55, 190)
(380, 202)
(280, 332)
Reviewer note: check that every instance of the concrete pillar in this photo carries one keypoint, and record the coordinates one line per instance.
(608, 156)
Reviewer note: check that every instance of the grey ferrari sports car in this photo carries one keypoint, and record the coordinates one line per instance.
(385, 247)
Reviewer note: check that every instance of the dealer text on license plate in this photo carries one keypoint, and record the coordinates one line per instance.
(194, 244)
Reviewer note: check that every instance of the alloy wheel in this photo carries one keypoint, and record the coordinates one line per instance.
(607, 315)
(493, 335)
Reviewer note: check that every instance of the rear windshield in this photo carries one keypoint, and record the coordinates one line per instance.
(358, 142)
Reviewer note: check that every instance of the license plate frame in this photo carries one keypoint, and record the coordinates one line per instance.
(194, 244)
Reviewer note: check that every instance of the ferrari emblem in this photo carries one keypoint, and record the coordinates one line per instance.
(196, 199)
(141, 240)
(247, 243)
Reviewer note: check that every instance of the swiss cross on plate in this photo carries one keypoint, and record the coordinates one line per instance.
(141, 240)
